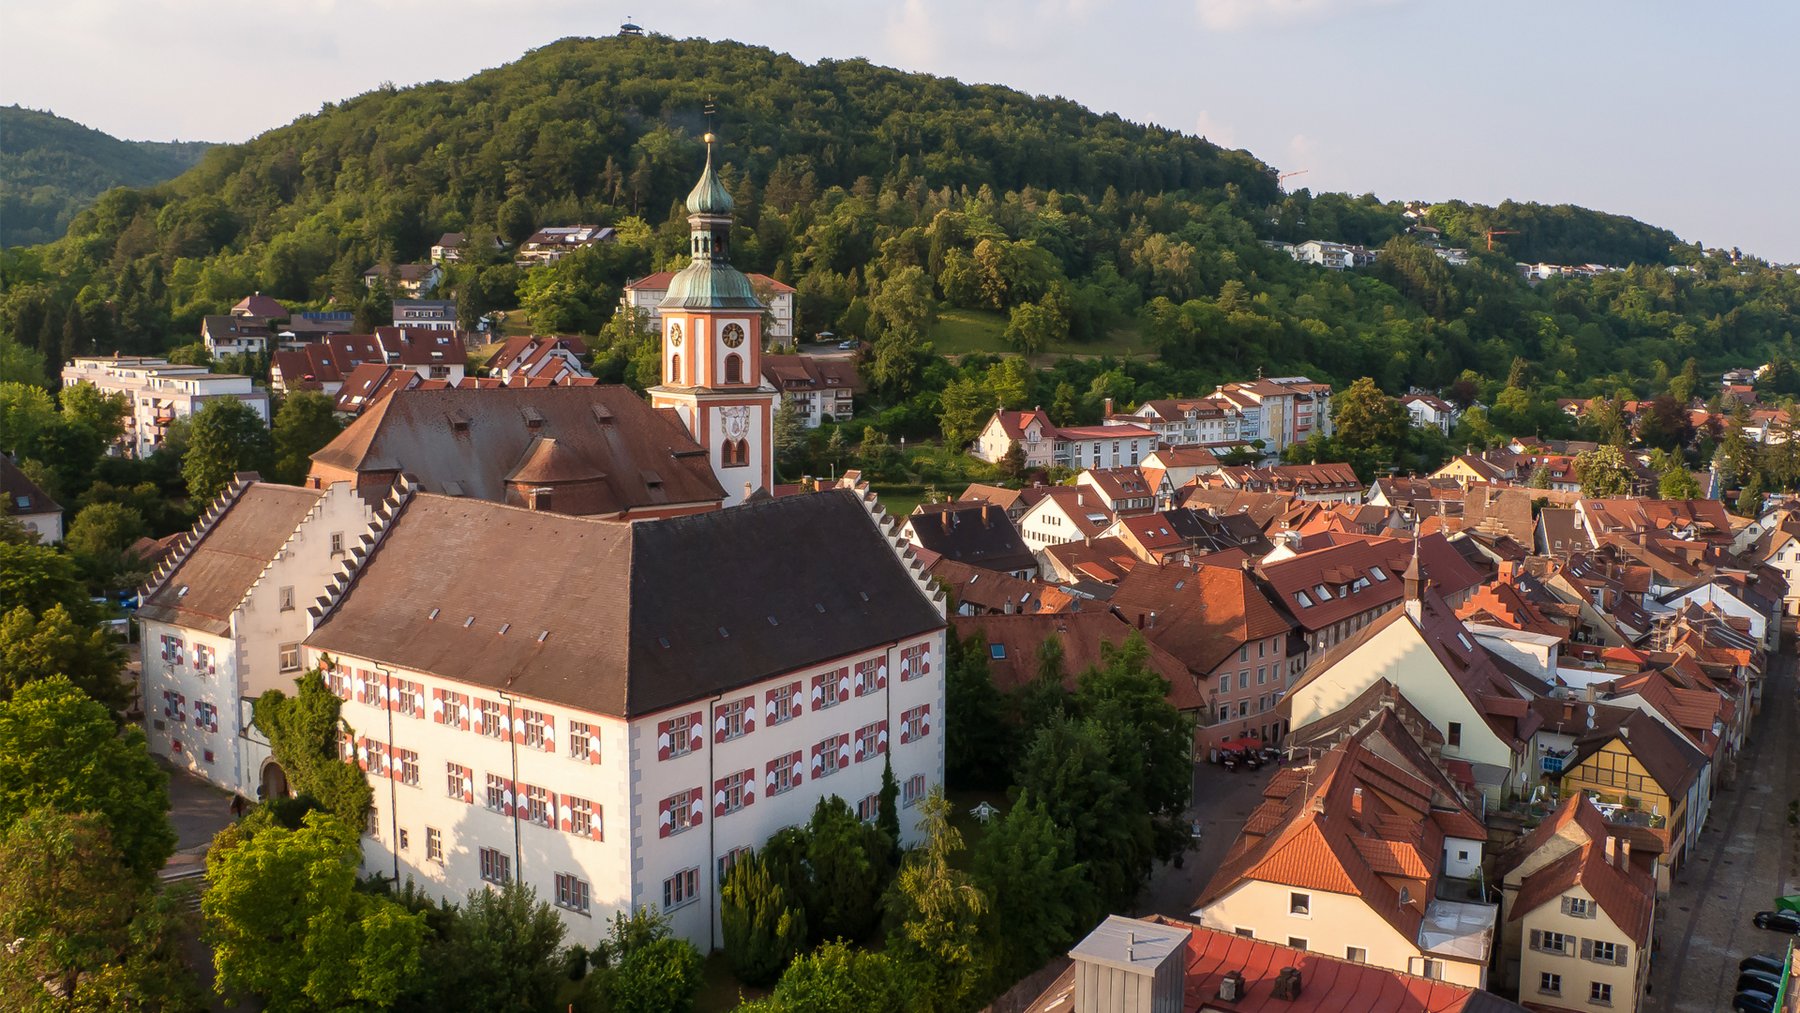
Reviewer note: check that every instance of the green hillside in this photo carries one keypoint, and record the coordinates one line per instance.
(51, 168)
(903, 207)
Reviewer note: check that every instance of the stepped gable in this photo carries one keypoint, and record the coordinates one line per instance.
(613, 620)
(205, 583)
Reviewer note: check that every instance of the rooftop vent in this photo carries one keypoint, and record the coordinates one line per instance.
(468, 622)
(543, 635)
(433, 614)
(772, 621)
(723, 632)
(504, 627)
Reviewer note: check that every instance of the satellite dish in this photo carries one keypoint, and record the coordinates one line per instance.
(1590, 710)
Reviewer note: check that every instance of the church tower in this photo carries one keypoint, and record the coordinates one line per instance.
(712, 349)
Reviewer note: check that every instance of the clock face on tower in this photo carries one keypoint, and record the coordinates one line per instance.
(675, 335)
(734, 335)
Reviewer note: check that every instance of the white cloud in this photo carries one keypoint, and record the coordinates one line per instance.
(1235, 15)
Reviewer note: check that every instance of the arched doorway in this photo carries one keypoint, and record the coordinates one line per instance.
(274, 782)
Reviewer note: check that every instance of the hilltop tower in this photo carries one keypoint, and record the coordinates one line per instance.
(712, 349)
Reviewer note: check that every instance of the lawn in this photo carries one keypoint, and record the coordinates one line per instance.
(962, 332)
(933, 474)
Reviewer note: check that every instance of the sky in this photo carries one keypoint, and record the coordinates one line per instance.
(1679, 114)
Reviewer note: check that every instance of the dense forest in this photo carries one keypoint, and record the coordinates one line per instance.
(51, 168)
(891, 200)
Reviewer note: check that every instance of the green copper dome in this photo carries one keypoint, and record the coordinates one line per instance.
(705, 284)
(708, 196)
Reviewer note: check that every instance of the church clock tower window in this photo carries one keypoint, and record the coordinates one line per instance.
(734, 368)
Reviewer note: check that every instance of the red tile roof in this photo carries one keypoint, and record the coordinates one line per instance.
(1625, 892)
(1086, 637)
(1203, 615)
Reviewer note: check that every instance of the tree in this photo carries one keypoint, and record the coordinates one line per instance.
(1664, 424)
(643, 969)
(34, 649)
(61, 751)
(1068, 765)
(26, 413)
(1736, 455)
(848, 862)
(287, 923)
(102, 412)
(887, 817)
(1034, 326)
(516, 220)
(1369, 426)
(938, 912)
(900, 314)
(1749, 501)
(1041, 897)
(837, 978)
(1045, 698)
(789, 430)
(303, 733)
(79, 927)
(836, 445)
(975, 744)
(226, 437)
(303, 426)
(100, 536)
(764, 926)
(1676, 481)
(498, 953)
(1603, 472)
(963, 408)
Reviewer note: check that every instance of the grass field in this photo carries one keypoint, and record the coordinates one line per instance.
(962, 332)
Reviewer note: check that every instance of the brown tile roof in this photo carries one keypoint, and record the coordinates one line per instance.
(1265, 508)
(219, 570)
(469, 440)
(1666, 754)
(1106, 560)
(1203, 615)
(258, 305)
(1085, 637)
(1372, 565)
(994, 591)
(1626, 893)
(621, 619)
(22, 494)
(808, 373)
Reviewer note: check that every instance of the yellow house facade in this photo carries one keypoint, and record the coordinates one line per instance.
(1643, 766)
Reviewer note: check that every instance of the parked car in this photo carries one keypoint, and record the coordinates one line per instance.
(1759, 981)
(1778, 921)
(1753, 1002)
(1765, 962)
(846, 345)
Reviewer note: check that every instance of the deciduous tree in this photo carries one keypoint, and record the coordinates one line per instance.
(303, 732)
(37, 648)
(1603, 472)
(226, 437)
(303, 426)
(764, 926)
(937, 912)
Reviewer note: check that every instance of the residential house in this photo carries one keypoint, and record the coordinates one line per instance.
(231, 334)
(1064, 514)
(1312, 483)
(426, 314)
(28, 504)
(549, 245)
(598, 450)
(1127, 965)
(1125, 491)
(1336, 590)
(822, 390)
(1348, 855)
(976, 533)
(1578, 915)
(1336, 256)
(1015, 645)
(1647, 769)
(1428, 411)
(1032, 431)
(411, 281)
(1014, 501)
(1102, 561)
(1734, 595)
(1234, 643)
(979, 591)
(222, 620)
(1179, 466)
(368, 384)
(160, 393)
(645, 295)
(1083, 447)
(257, 306)
(1490, 466)
(623, 755)
(529, 357)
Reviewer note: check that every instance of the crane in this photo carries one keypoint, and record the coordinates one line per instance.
(1491, 233)
(1296, 172)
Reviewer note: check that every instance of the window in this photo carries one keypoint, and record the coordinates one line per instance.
(1578, 907)
(731, 787)
(831, 759)
(1300, 904)
(1262, 675)
(1244, 679)
(337, 543)
(912, 791)
(571, 893)
(372, 823)
(405, 843)
(290, 657)
(915, 724)
(1304, 599)
(584, 741)
(783, 773)
(377, 753)
(997, 652)
(1356, 954)
(499, 793)
(684, 811)
(458, 781)
(731, 717)
(868, 742)
(584, 817)
(1603, 952)
(1454, 736)
(495, 867)
(406, 696)
(408, 762)
(1244, 653)
(681, 736)
(868, 808)
(490, 718)
(286, 597)
(734, 368)
(1296, 942)
(1550, 942)
(434, 845)
(1600, 993)
(537, 805)
(681, 889)
(729, 861)
(532, 723)
(1243, 708)
(1224, 712)
(675, 370)
(1225, 683)
(783, 704)
(1550, 984)
(1433, 969)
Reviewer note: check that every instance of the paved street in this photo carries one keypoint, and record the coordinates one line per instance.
(1745, 856)
(1222, 802)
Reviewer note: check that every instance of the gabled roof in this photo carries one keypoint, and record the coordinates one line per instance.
(619, 619)
(1367, 570)
(1106, 560)
(806, 373)
(23, 496)
(976, 533)
(258, 305)
(217, 572)
(468, 440)
(1202, 615)
(1085, 510)
(1625, 892)
(995, 591)
(1666, 754)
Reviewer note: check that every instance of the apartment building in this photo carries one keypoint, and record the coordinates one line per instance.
(160, 393)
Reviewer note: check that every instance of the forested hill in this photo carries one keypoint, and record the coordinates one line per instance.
(889, 200)
(51, 168)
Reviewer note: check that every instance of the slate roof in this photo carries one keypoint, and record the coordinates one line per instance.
(625, 619)
(977, 533)
(466, 441)
(206, 587)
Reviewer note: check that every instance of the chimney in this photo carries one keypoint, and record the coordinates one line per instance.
(1109, 407)
(1624, 852)
(1140, 620)
(1612, 850)
(1131, 966)
(1590, 692)
(1152, 621)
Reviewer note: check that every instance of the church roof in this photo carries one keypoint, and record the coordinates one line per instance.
(706, 284)
(708, 197)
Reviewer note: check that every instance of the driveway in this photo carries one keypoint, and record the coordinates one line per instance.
(1746, 855)
(1222, 801)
